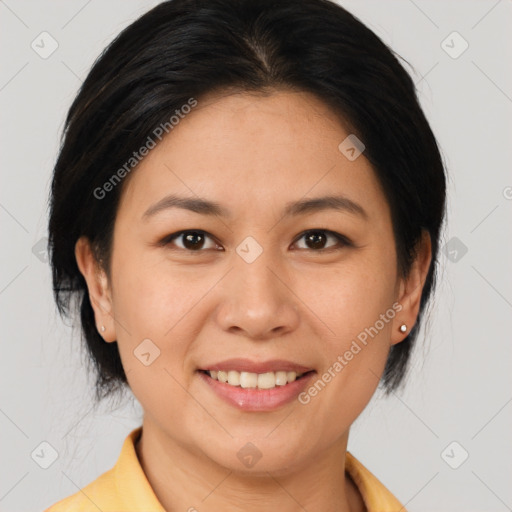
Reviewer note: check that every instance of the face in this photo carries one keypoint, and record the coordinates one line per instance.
(257, 279)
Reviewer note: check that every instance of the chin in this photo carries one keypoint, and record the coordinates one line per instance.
(258, 456)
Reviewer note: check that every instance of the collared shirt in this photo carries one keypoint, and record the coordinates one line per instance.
(126, 488)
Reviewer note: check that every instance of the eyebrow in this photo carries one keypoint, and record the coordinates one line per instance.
(292, 209)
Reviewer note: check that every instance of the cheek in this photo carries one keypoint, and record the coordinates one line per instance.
(148, 305)
(355, 306)
(157, 312)
(150, 298)
(351, 296)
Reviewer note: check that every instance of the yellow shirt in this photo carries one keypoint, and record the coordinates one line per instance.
(126, 488)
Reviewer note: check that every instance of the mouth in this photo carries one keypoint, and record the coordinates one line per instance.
(259, 381)
(256, 392)
(256, 386)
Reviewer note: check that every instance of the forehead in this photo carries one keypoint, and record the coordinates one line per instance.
(248, 150)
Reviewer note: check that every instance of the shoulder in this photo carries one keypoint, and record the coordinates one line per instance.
(110, 490)
(124, 487)
(376, 496)
(97, 495)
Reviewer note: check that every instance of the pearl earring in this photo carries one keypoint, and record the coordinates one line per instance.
(102, 328)
(403, 328)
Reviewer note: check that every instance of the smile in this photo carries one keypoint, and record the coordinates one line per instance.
(267, 380)
(256, 392)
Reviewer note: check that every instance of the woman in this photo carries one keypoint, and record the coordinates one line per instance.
(247, 206)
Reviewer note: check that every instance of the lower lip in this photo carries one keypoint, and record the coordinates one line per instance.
(253, 399)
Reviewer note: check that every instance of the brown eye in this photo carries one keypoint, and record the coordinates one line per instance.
(316, 240)
(197, 240)
(191, 240)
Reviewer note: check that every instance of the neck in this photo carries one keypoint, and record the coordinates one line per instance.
(184, 479)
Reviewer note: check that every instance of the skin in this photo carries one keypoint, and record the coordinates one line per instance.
(251, 154)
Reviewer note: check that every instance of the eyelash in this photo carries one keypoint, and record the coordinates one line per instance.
(342, 240)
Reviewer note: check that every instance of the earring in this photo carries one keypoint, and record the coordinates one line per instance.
(102, 328)
(403, 328)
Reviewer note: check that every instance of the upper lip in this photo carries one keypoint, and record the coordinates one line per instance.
(246, 365)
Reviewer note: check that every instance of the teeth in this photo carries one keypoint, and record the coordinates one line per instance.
(281, 378)
(267, 380)
(248, 380)
(233, 378)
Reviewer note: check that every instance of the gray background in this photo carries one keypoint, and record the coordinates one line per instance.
(459, 388)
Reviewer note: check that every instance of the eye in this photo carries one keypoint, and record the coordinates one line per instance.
(193, 240)
(316, 238)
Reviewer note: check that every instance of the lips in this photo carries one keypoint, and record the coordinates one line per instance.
(253, 395)
(256, 386)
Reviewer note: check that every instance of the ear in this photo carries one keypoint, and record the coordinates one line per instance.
(99, 288)
(410, 289)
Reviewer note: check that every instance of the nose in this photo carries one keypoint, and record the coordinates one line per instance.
(258, 299)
